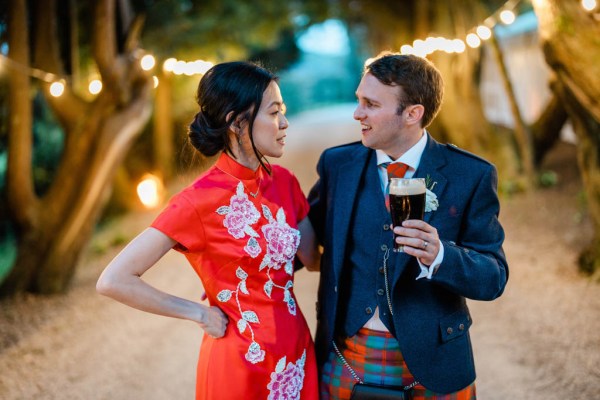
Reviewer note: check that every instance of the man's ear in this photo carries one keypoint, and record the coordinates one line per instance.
(414, 113)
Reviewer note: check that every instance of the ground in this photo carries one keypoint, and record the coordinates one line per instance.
(540, 340)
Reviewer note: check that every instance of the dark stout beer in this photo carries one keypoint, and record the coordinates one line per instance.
(407, 201)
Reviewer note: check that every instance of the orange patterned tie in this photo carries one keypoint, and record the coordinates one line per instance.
(394, 170)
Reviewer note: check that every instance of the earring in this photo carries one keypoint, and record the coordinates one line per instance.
(239, 140)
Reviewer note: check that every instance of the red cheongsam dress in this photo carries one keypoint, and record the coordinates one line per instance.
(237, 228)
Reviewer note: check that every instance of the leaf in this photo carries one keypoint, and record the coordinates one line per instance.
(280, 365)
(281, 216)
(250, 316)
(240, 189)
(267, 213)
(243, 287)
(269, 288)
(289, 268)
(266, 260)
(240, 273)
(223, 210)
(248, 230)
(224, 295)
(241, 325)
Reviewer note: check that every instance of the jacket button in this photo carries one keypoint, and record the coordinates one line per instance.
(449, 331)
(380, 292)
(461, 327)
(381, 270)
(386, 227)
(384, 247)
(368, 310)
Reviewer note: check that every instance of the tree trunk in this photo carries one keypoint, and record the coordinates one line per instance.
(569, 37)
(53, 230)
(162, 143)
(546, 130)
(461, 120)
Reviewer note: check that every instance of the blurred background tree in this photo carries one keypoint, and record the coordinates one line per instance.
(62, 159)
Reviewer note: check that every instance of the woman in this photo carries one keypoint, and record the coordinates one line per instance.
(239, 225)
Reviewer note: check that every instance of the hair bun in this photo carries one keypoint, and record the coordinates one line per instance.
(203, 137)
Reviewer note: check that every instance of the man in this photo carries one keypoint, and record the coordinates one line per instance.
(402, 318)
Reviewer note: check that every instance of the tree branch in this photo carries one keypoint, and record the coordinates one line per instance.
(21, 195)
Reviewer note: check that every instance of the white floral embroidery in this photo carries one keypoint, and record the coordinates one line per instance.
(282, 243)
(239, 215)
(287, 381)
(254, 354)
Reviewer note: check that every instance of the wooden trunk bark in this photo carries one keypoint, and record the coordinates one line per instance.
(53, 230)
(569, 37)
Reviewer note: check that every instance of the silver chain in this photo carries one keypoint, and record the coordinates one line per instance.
(352, 372)
(355, 375)
(386, 255)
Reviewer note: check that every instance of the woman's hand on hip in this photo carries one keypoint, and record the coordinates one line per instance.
(213, 321)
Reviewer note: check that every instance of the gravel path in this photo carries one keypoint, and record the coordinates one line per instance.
(540, 340)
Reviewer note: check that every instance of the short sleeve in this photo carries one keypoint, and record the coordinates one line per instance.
(301, 206)
(182, 223)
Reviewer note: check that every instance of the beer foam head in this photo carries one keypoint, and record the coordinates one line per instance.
(407, 187)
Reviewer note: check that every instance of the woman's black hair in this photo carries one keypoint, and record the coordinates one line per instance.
(235, 87)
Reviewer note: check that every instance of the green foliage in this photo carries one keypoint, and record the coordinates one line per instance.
(548, 179)
(220, 30)
(8, 249)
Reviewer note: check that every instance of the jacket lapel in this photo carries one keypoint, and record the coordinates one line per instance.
(432, 160)
(346, 190)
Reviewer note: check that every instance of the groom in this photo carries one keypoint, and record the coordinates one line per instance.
(401, 319)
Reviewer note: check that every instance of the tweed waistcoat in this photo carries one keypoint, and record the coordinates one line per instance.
(369, 241)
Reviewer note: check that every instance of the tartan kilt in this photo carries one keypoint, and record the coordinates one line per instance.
(376, 358)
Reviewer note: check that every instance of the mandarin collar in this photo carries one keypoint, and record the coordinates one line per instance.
(230, 166)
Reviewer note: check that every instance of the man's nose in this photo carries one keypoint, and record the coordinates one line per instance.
(358, 113)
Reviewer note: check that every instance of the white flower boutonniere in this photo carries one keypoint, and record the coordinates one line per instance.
(431, 200)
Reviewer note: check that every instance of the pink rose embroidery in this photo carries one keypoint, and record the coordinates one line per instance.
(287, 381)
(255, 354)
(240, 214)
(282, 242)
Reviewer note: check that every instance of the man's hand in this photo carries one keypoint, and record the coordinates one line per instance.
(419, 239)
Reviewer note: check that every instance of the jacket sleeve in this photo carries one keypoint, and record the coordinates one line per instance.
(317, 200)
(475, 265)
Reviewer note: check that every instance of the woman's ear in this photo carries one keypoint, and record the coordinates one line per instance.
(234, 126)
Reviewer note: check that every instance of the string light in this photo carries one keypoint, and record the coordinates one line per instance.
(589, 5)
(419, 47)
(148, 62)
(507, 17)
(484, 32)
(57, 89)
(95, 86)
(473, 39)
(150, 190)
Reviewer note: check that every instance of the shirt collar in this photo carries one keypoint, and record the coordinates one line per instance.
(412, 157)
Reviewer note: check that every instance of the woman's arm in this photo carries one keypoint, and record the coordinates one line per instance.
(308, 251)
(121, 281)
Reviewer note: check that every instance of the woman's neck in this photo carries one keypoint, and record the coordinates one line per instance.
(245, 158)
